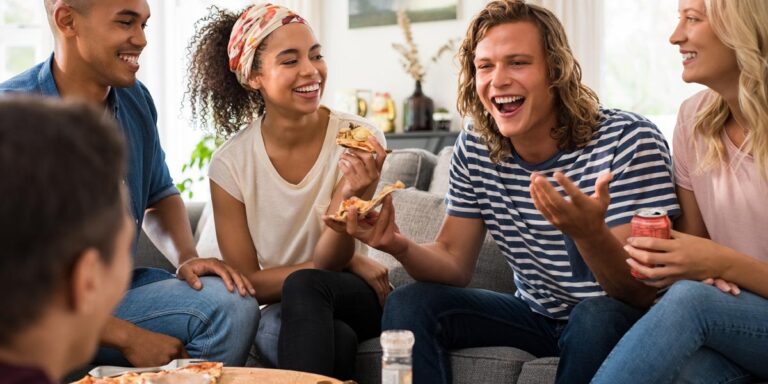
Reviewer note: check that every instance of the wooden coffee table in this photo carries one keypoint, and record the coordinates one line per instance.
(272, 376)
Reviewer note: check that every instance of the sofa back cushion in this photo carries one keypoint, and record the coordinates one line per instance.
(412, 166)
(419, 215)
(439, 184)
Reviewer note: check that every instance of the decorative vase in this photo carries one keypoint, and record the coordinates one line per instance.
(417, 111)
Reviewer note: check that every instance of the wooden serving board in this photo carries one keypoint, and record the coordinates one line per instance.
(271, 376)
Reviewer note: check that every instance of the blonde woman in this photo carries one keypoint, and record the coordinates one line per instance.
(699, 331)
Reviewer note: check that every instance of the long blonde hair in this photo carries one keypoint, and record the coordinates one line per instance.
(576, 105)
(742, 26)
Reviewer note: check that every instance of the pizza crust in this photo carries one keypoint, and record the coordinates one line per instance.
(199, 373)
(355, 137)
(365, 206)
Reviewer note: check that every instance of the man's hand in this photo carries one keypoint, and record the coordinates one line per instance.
(375, 274)
(681, 257)
(377, 229)
(149, 349)
(191, 270)
(581, 216)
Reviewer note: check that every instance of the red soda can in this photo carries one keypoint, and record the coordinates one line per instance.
(650, 222)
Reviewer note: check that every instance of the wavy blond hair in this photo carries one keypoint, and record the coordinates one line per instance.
(742, 26)
(576, 105)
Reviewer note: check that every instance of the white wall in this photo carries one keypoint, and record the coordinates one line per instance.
(363, 58)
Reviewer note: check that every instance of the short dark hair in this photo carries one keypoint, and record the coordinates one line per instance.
(62, 166)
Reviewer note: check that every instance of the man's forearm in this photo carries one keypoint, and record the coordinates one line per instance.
(116, 333)
(606, 258)
(167, 225)
(433, 263)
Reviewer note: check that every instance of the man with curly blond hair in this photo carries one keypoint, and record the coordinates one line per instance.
(535, 123)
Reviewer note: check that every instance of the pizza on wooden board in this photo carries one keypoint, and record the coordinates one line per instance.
(202, 373)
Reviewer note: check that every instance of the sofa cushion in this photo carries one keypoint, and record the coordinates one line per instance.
(419, 216)
(439, 184)
(411, 166)
(539, 371)
(471, 365)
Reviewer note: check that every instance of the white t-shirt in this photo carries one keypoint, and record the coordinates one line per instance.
(284, 219)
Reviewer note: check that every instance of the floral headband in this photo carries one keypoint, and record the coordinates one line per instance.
(253, 26)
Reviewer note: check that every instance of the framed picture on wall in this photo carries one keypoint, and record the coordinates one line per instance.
(371, 13)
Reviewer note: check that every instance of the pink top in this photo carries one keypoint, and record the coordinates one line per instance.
(732, 197)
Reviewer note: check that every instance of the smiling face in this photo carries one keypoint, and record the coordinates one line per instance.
(512, 81)
(109, 37)
(706, 60)
(292, 72)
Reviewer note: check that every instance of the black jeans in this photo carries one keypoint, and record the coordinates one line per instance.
(325, 314)
(444, 318)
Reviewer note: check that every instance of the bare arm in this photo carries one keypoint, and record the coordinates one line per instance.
(142, 348)
(167, 225)
(690, 220)
(602, 248)
(237, 247)
(605, 255)
(449, 260)
(361, 171)
(691, 255)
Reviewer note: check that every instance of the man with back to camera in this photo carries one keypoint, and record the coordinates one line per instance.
(66, 256)
(97, 47)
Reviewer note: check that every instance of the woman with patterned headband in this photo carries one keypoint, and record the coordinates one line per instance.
(257, 78)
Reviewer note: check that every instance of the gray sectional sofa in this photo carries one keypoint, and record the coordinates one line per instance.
(420, 210)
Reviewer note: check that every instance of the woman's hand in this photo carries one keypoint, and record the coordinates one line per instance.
(664, 261)
(581, 216)
(374, 273)
(362, 170)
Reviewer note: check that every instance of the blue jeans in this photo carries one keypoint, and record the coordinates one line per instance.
(213, 323)
(694, 334)
(444, 318)
(268, 334)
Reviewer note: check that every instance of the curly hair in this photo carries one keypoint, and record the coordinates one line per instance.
(216, 98)
(742, 26)
(576, 105)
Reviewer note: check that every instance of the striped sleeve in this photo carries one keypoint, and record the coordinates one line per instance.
(461, 200)
(642, 174)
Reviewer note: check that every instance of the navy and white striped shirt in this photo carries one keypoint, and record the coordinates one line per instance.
(550, 274)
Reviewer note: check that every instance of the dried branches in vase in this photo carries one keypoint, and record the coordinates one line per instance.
(410, 52)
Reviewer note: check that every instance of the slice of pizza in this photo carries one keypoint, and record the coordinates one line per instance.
(355, 137)
(365, 206)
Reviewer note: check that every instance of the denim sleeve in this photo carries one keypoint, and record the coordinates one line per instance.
(160, 184)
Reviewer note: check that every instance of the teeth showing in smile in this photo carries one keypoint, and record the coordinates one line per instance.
(506, 99)
(133, 59)
(308, 88)
(689, 55)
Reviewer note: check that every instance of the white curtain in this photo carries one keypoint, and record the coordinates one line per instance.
(308, 9)
(583, 23)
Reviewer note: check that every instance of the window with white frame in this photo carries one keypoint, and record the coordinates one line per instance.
(25, 38)
(640, 70)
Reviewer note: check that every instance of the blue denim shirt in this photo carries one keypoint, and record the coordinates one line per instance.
(148, 178)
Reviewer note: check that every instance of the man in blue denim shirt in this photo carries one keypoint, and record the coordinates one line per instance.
(96, 54)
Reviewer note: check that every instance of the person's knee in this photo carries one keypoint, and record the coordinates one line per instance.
(689, 294)
(241, 311)
(304, 283)
(602, 317)
(409, 304)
